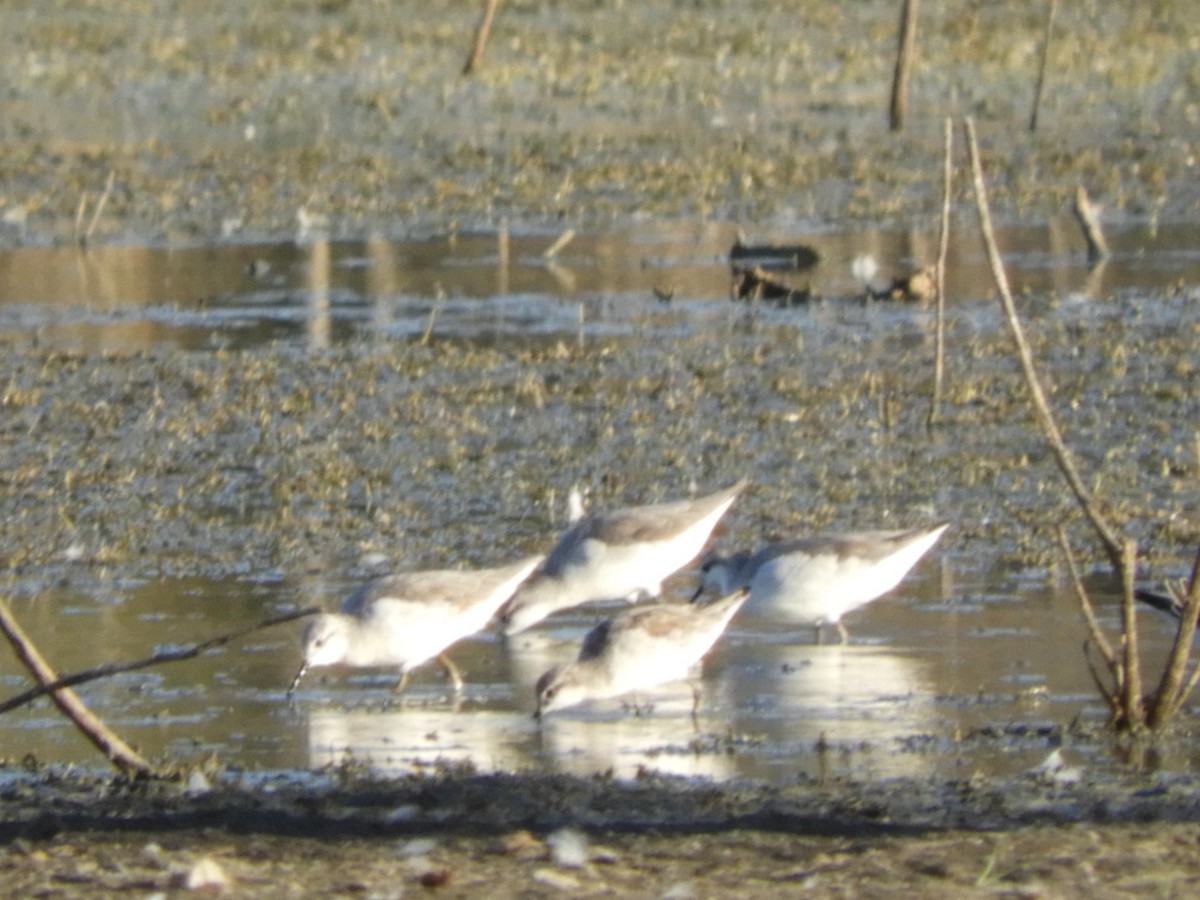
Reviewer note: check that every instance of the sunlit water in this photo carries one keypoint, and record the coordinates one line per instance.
(958, 650)
(926, 669)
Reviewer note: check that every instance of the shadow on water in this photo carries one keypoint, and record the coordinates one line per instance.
(476, 287)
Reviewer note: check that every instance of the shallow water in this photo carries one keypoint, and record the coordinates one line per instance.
(956, 672)
(322, 292)
(971, 666)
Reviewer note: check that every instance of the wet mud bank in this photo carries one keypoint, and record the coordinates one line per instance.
(541, 836)
(344, 804)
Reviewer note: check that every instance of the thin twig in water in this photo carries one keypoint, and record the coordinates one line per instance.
(80, 211)
(502, 243)
(433, 314)
(119, 753)
(100, 204)
(563, 239)
(164, 656)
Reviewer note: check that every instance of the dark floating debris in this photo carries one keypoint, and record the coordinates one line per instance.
(771, 256)
(755, 269)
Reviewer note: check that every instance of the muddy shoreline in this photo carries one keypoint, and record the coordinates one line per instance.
(343, 803)
(543, 835)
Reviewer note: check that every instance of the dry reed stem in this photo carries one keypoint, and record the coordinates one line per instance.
(905, 50)
(481, 36)
(100, 204)
(939, 356)
(1042, 65)
(80, 211)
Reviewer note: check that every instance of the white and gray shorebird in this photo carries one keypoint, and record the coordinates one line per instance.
(817, 580)
(622, 554)
(407, 619)
(638, 649)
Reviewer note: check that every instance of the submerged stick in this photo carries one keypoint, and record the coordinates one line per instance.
(1041, 75)
(164, 656)
(904, 54)
(103, 738)
(560, 242)
(83, 236)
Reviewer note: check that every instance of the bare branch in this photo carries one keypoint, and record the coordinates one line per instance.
(1112, 541)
